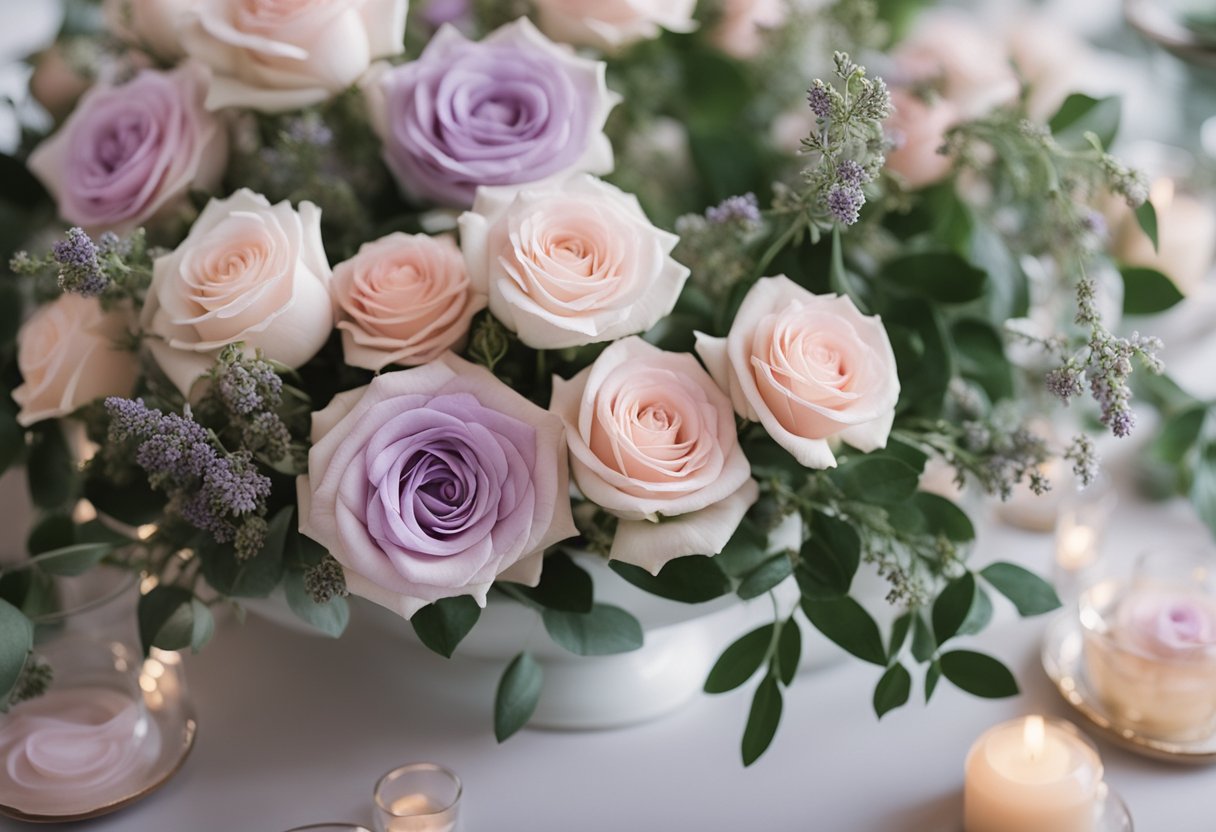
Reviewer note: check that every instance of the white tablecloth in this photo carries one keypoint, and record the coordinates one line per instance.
(296, 729)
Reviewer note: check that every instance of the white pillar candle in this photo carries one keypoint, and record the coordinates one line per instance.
(1150, 656)
(1031, 774)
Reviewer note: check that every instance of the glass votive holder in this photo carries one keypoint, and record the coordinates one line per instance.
(1150, 646)
(1079, 536)
(330, 827)
(419, 797)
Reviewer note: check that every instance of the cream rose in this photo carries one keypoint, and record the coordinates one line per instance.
(249, 272)
(611, 24)
(403, 299)
(276, 55)
(918, 129)
(971, 68)
(152, 25)
(651, 436)
(741, 28)
(810, 368)
(71, 352)
(570, 263)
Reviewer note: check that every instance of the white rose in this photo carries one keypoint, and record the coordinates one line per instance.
(70, 352)
(611, 24)
(249, 272)
(276, 55)
(570, 263)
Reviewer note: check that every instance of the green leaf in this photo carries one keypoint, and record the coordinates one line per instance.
(442, 625)
(1081, 114)
(1203, 486)
(1178, 435)
(893, 690)
(329, 618)
(134, 503)
(924, 645)
(1029, 593)
(693, 579)
(838, 276)
(944, 517)
(980, 615)
(52, 476)
(171, 618)
(932, 676)
(254, 577)
(875, 478)
(518, 693)
(981, 357)
(604, 631)
(899, 634)
(978, 674)
(923, 352)
(16, 641)
(847, 624)
(52, 531)
(763, 720)
(941, 276)
(564, 585)
(789, 651)
(1146, 216)
(745, 551)
(1147, 291)
(953, 606)
(911, 455)
(829, 558)
(740, 661)
(72, 560)
(768, 575)
(12, 435)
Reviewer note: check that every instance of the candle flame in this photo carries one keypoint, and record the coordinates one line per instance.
(1077, 547)
(1162, 194)
(1034, 735)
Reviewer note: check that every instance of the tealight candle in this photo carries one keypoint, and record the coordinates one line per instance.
(1032, 774)
(421, 797)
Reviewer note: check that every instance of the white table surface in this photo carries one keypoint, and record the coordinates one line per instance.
(294, 729)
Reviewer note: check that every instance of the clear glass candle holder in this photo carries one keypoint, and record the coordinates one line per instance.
(1079, 537)
(330, 827)
(419, 797)
(1150, 646)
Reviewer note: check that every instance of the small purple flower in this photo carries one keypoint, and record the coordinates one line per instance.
(851, 173)
(821, 103)
(744, 209)
(844, 203)
(79, 265)
(1064, 383)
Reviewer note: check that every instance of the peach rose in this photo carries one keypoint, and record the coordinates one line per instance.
(740, 30)
(276, 55)
(249, 272)
(918, 128)
(810, 368)
(571, 262)
(151, 25)
(71, 352)
(651, 436)
(970, 67)
(611, 24)
(403, 299)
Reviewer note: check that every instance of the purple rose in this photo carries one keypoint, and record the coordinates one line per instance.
(512, 109)
(130, 153)
(435, 482)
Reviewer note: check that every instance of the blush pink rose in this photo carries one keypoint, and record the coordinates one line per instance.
(248, 271)
(276, 55)
(151, 25)
(918, 129)
(435, 482)
(71, 352)
(968, 66)
(570, 262)
(743, 23)
(403, 299)
(652, 441)
(810, 368)
(612, 24)
(132, 153)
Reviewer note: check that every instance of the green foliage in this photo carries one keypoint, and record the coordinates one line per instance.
(1147, 291)
(762, 721)
(693, 579)
(978, 674)
(829, 558)
(171, 618)
(1081, 114)
(875, 478)
(981, 357)
(849, 626)
(16, 641)
(893, 690)
(71, 560)
(765, 577)
(441, 626)
(52, 531)
(789, 651)
(51, 473)
(1146, 217)
(329, 618)
(603, 631)
(564, 585)
(517, 696)
(740, 661)
(254, 577)
(941, 276)
(1029, 593)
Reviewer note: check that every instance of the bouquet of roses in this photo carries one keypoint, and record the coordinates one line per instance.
(413, 312)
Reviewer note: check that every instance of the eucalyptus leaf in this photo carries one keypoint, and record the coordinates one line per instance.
(943, 517)
(746, 550)
(604, 631)
(693, 579)
(765, 577)
(762, 721)
(52, 531)
(1147, 291)
(875, 478)
(329, 618)
(16, 641)
(789, 651)
(564, 585)
(740, 661)
(1029, 593)
(953, 606)
(517, 695)
(924, 644)
(941, 276)
(933, 675)
(829, 558)
(1081, 114)
(899, 634)
(1146, 216)
(441, 626)
(72, 560)
(847, 623)
(978, 674)
(980, 351)
(171, 618)
(893, 690)
(51, 473)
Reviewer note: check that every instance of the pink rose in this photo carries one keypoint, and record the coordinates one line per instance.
(435, 482)
(132, 153)
(276, 55)
(70, 353)
(743, 23)
(571, 262)
(969, 67)
(57, 83)
(918, 130)
(249, 272)
(151, 25)
(652, 440)
(810, 368)
(1167, 623)
(611, 24)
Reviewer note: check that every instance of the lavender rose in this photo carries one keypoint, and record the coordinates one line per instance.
(512, 109)
(434, 482)
(130, 153)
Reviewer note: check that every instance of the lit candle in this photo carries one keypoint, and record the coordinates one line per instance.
(420, 797)
(1150, 656)
(418, 813)
(1186, 237)
(1076, 548)
(1031, 774)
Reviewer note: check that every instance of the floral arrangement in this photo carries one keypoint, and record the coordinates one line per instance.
(425, 312)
